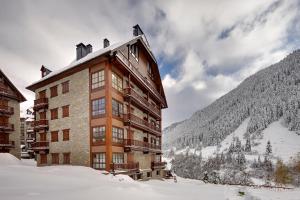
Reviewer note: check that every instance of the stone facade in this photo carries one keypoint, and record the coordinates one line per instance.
(78, 121)
(15, 135)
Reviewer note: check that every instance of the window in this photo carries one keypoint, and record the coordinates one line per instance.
(66, 134)
(43, 137)
(99, 161)
(98, 107)
(158, 173)
(53, 91)
(99, 134)
(42, 115)
(117, 82)
(66, 158)
(118, 158)
(54, 113)
(117, 135)
(55, 158)
(98, 79)
(157, 158)
(65, 87)
(65, 111)
(134, 50)
(54, 136)
(117, 108)
(43, 158)
(42, 94)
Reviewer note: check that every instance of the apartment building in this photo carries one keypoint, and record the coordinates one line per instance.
(103, 110)
(27, 133)
(10, 99)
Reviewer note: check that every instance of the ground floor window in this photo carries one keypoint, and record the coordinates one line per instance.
(148, 174)
(43, 158)
(99, 161)
(67, 158)
(158, 173)
(55, 158)
(118, 158)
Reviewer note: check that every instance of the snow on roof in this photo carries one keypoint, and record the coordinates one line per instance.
(88, 57)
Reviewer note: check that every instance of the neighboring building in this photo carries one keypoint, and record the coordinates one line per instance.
(27, 133)
(10, 99)
(22, 131)
(103, 110)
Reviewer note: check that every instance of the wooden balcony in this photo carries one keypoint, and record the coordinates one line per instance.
(7, 144)
(130, 119)
(40, 146)
(124, 167)
(6, 110)
(141, 102)
(158, 165)
(6, 92)
(134, 70)
(6, 127)
(41, 124)
(137, 145)
(40, 104)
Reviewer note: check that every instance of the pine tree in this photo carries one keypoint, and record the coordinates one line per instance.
(268, 148)
(248, 145)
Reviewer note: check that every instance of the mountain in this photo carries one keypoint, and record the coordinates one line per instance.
(271, 95)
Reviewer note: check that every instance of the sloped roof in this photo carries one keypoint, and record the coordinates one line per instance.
(20, 96)
(108, 50)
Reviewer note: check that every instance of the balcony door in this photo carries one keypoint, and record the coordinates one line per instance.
(4, 138)
(42, 94)
(43, 137)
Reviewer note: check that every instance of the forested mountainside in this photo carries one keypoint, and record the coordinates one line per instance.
(264, 97)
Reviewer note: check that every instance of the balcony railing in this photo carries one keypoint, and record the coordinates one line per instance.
(140, 145)
(124, 166)
(6, 92)
(6, 127)
(41, 124)
(158, 165)
(135, 71)
(40, 103)
(141, 123)
(7, 144)
(142, 101)
(41, 145)
(6, 110)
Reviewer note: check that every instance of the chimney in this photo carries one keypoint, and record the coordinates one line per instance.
(137, 30)
(45, 71)
(89, 49)
(80, 51)
(105, 43)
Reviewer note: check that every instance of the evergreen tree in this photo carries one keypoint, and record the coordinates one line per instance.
(268, 148)
(248, 145)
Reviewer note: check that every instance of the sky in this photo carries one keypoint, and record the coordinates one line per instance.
(204, 48)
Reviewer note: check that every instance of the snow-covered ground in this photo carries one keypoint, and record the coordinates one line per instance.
(23, 180)
(285, 143)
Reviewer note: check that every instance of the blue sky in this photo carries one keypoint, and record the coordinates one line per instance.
(204, 48)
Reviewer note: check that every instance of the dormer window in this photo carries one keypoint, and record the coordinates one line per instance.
(134, 50)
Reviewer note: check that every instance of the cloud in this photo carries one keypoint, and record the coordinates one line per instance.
(205, 48)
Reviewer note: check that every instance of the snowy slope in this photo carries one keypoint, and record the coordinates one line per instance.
(28, 182)
(263, 98)
(285, 143)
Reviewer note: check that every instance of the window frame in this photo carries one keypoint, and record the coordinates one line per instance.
(54, 136)
(65, 111)
(119, 111)
(67, 158)
(65, 87)
(54, 113)
(99, 80)
(119, 159)
(116, 133)
(55, 158)
(101, 141)
(100, 163)
(117, 82)
(101, 106)
(66, 134)
(53, 91)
